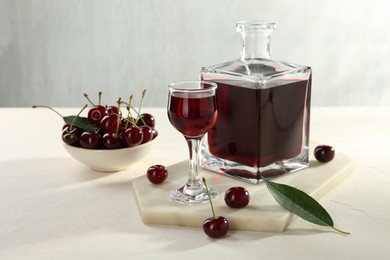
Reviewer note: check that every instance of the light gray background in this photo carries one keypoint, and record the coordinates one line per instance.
(52, 51)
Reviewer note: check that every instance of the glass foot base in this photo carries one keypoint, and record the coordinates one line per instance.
(185, 196)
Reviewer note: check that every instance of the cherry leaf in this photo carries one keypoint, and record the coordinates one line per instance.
(301, 204)
(80, 122)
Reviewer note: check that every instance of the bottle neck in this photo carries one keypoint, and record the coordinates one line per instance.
(255, 45)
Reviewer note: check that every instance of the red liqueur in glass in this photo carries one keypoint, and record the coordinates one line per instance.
(263, 111)
(192, 116)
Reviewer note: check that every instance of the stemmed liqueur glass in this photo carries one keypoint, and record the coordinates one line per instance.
(192, 110)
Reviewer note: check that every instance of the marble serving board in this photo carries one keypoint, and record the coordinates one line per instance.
(262, 214)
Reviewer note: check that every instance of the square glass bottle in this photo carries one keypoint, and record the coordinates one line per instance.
(263, 111)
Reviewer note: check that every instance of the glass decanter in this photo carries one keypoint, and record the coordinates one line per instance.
(263, 105)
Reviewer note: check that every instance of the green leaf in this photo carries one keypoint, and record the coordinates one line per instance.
(80, 122)
(301, 204)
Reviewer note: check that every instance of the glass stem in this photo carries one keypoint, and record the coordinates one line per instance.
(193, 186)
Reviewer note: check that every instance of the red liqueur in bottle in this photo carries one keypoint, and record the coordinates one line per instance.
(263, 111)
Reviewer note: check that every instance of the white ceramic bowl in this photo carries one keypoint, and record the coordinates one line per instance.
(110, 160)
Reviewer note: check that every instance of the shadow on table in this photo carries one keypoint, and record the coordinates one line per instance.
(54, 171)
(52, 199)
(174, 240)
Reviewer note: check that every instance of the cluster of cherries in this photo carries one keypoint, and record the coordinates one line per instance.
(106, 127)
(235, 197)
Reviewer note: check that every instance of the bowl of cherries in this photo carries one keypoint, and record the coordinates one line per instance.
(109, 138)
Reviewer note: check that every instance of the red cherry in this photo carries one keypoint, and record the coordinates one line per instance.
(133, 136)
(127, 121)
(111, 140)
(157, 174)
(147, 119)
(95, 114)
(216, 227)
(89, 140)
(237, 197)
(155, 133)
(109, 123)
(148, 134)
(71, 135)
(112, 110)
(324, 153)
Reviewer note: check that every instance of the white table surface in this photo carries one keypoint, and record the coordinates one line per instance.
(52, 207)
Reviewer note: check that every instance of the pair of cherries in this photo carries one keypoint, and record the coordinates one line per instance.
(218, 226)
(215, 227)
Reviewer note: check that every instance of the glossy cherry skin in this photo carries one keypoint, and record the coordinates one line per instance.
(112, 110)
(127, 121)
(148, 134)
(216, 227)
(95, 114)
(111, 140)
(157, 174)
(109, 123)
(71, 135)
(155, 133)
(133, 136)
(147, 119)
(237, 197)
(324, 153)
(89, 140)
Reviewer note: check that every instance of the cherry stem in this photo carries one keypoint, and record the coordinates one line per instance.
(130, 107)
(100, 97)
(35, 106)
(87, 97)
(140, 104)
(135, 111)
(208, 194)
(128, 111)
(143, 121)
(118, 115)
(130, 121)
(71, 125)
(74, 136)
